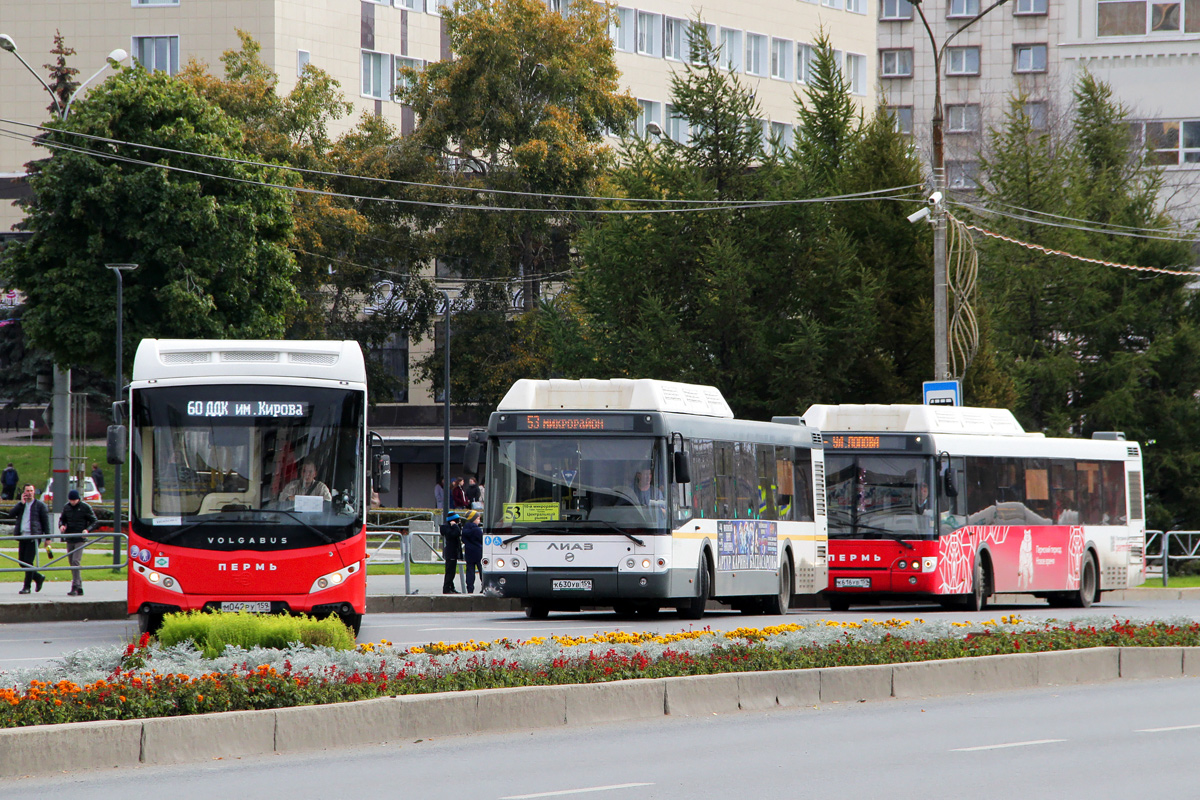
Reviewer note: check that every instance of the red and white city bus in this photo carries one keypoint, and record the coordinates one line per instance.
(956, 504)
(248, 478)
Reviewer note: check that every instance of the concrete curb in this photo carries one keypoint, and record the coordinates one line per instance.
(178, 740)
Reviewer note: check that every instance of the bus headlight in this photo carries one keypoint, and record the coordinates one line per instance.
(645, 563)
(333, 578)
(929, 564)
(157, 579)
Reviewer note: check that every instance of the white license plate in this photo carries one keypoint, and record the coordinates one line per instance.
(571, 586)
(852, 583)
(251, 606)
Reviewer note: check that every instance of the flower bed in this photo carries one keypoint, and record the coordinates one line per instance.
(147, 680)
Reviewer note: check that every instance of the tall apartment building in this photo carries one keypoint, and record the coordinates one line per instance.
(1149, 52)
(362, 44)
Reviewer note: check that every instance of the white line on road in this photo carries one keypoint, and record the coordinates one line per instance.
(1003, 746)
(1164, 730)
(575, 791)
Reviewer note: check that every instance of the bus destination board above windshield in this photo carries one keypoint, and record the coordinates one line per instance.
(575, 423)
(245, 408)
(871, 441)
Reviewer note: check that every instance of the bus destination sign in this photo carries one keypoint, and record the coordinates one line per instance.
(574, 423)
(245, 408)
(871, 441)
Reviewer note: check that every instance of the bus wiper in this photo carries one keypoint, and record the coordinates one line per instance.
(207, 520)
(565, 532)
(621, 531)
(884, 532)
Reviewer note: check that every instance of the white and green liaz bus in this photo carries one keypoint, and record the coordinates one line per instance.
(644, 494)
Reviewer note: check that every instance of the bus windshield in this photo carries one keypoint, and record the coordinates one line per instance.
(216, 466)
(877, 496)
(579, 483)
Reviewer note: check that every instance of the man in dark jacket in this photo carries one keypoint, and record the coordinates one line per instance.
(472, 537)
(98, 477)
(33, 519)
(77, 517)
(451, 550)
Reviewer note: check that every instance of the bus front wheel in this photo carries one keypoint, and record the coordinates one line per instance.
(352, 621)
(695, 608)
(149, 622)
(537, 611)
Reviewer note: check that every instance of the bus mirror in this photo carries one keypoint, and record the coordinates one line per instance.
(948, 482)
(116, 444)
(474, 447)
(118, 412)
(683, 467)
(383, 473)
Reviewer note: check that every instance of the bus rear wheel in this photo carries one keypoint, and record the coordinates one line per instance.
(779, 603)
(695, 608)
(1087, 583)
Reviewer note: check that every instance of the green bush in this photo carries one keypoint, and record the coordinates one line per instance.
(213, 631)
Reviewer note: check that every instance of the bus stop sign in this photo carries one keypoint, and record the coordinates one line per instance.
(942, 393)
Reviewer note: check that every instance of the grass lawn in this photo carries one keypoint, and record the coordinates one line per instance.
(32, 461)
(89, 558)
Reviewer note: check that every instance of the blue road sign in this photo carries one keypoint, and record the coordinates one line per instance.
(942, 393)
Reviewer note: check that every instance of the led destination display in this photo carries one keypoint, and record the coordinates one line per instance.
(245, 408)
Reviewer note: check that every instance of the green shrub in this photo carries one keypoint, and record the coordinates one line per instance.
(213, 631)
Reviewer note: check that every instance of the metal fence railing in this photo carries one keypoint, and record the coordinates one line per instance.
(1179, 546)
(58, 562)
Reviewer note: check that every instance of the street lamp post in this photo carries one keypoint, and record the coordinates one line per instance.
(119, 270)
(60, 440)
(941, 301)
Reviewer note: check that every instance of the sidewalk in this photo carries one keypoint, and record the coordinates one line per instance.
(106, 599)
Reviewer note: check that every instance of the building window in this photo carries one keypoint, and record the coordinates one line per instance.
(157, 53)
(379, 2)
(303, 59)
(137, 3)
(393, 358)
(436, 6)
(782, 53)
(1031, 7)
(756, 54)
(895, 63)
(963, 8)
(806, 57)
(695, 32)
(784, 134)
(962, 61)
(895, 9)
(374, 71)
(1037, 114)
(410, 5)
(856, 73)
(1170, 142)
(903, 115)
(649, 34)
(731, 49)
(832, 3)
(1136, 17)
(962, 174)
(648, 111)
(675, 38)
(403, 81)
(962, 119)
(1029, 58)
(678, 129)
(622, 30)
(560, 6)
(856, 6)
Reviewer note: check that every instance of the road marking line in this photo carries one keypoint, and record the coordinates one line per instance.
(1164, 730)
(1003, 746)
(575, 791)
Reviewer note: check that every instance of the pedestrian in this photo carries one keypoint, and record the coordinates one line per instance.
(474, 495)
(439, 494)
(472, 537)
(98, 477)
(8, 482)
(451, 550)
(76, 517)
(458, 495)
(33, 519)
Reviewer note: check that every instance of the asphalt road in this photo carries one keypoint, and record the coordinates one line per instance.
(30, 644)
(1134, 739)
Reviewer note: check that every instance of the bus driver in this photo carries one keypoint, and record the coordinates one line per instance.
(306, 485)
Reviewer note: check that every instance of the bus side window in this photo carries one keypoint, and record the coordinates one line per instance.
(767, 483)
(1113, 481)
(747, 481)
(1087, 481)
(785, 481)
(724, 467)
(803, 503)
